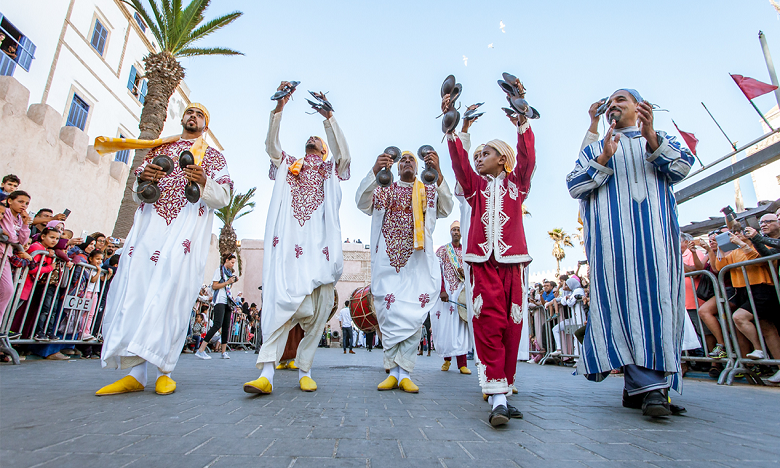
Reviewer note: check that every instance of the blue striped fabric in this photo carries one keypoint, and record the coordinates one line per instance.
(632, 240)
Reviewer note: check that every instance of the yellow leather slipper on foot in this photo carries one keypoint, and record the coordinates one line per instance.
(291, 365)
(282, 365)
(465, 370)
(261, 385)
(165, 385)
(408, 386)
(308, 384)
(446, 366)
(388, 384)
(126, 384)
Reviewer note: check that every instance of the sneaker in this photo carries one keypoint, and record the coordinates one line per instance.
(12, 335)
(756, 354)
(718, 352)
(88, 337)
(225, 356)
(202, 355)
(53, 337)
(41, 337)
(775, 378)
(557, 352)
(57, 357)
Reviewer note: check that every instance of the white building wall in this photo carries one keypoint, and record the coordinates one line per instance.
(766, 181)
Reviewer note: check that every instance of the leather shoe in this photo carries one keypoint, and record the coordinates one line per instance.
(514, 413)
(408, 386)
(308, 384)
(655, 404)
(261, 385)
(446, 366)
(388, 384)
(291, 365)
(465, 370)
(126, 384)
(165, 385)
(499, 416)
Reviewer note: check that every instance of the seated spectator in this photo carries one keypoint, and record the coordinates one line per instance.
(10, 184)
(764, 297)
(14, 224)
(198, 330)
(768, 242)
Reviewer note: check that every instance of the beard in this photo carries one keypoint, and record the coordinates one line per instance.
(191, 126)
(311, 147)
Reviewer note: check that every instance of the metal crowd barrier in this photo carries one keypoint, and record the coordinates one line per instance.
(741, 365)
(564, 328)
(62, 306)
(241, 339)
(726, 328)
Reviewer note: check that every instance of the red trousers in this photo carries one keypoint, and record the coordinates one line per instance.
(498, 303)
(461, 360)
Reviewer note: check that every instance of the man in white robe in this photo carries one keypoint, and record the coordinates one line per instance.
(405, 273)
(449, 328)
(161, 268)
(303, 257)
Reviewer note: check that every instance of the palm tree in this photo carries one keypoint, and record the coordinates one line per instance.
(561, 240)
(229, 214)
(176, 28)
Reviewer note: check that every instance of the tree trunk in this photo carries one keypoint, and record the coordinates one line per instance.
(164, 73)
(227, 240)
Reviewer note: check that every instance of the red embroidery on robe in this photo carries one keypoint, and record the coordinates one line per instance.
(155, 256)
(438, 314)
(389, 299)
(308, 187)
(141, 207)
(276, 241)
(201, 210)
(130, 252)
(298, 251)
(187, 246)
(424, 299)
(398, 223)
(327, 253)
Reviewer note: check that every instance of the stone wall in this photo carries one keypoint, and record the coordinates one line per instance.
(57, 165)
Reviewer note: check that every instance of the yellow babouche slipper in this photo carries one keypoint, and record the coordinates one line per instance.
(308, 384)
(408, 386)
(261, 385)
(126, 384)
(165, 385)
(281, 366)
(514, 390)
(485, 396)
(465, 370)
(388, 384)
(291, 365)
(446, 366)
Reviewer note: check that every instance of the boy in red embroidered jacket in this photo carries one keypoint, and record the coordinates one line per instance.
(497, 253)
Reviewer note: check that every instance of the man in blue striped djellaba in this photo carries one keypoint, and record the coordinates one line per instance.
(632, 239)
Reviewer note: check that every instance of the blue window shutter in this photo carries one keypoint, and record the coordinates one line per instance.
(79, 110)
(142, 94)
(7, 66)
(131, 80)
(99, 36)
(26, 53)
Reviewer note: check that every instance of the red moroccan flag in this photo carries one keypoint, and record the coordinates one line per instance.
(752, 88)
(690, 139)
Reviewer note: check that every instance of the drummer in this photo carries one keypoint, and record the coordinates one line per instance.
(405, 273)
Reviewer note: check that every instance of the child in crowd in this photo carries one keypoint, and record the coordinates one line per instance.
(198, 330)
(10, 184)
(35, 286)
(15, 225)
(92, 293)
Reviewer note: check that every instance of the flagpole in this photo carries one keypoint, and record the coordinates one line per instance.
(721, 128)
(762, 115)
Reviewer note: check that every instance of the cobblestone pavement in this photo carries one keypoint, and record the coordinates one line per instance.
(49, 417)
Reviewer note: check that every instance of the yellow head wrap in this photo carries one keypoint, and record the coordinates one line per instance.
(506, 151)
(477, 151)
(298, 164)
(455, 223)
(200, 107)
(419, 201)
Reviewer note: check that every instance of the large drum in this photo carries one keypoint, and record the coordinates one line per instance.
(361, 308)
(335, 304)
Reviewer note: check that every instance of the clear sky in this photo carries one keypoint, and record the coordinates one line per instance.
(383, 63)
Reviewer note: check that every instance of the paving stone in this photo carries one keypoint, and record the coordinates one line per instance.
(568, 421)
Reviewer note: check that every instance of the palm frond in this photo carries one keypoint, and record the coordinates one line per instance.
(186, 20)
(217, 23)
(192, 52)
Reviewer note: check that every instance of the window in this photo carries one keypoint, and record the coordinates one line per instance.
(137, 85)
(123, 155)
(99, 36)
(77, 116)
(140, 21)
(16, 48)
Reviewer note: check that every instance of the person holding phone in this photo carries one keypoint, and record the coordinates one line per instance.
(223, 305)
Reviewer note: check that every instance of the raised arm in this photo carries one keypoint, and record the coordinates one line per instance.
(338, 147)
(526, 156)
(272, 145)
(464, 173)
